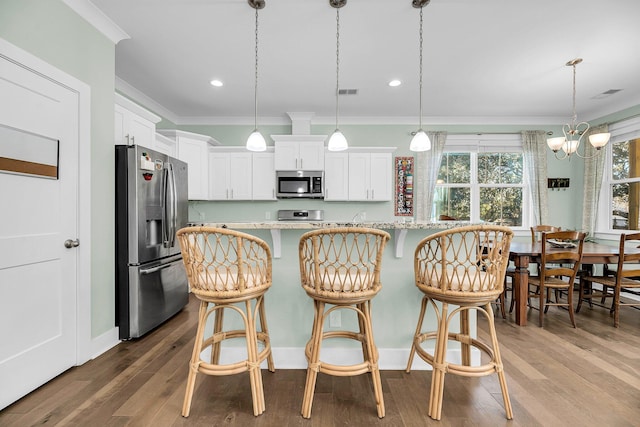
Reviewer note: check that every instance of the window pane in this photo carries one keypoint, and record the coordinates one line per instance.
(453, 202)
(502, 206)
(625, 198)
(626, 159)
(499, 168)
(455, 168)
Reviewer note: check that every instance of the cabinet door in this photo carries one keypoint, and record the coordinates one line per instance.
(142, 131)
(264, 176)
(336, 176)
(165, 145)
(240, 176)
(311, 156)
(359, 175)
(132, 129)
(286, 156)
(121, 127)
(196, 154)
(380, 188)
(218, 176)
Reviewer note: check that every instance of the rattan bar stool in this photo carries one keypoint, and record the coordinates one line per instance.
(464, 267)
(341, 267)
(227, 270)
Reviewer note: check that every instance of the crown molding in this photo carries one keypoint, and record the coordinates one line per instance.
(99, 20)
(143, 99)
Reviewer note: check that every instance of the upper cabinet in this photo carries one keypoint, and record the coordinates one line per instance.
(165, 145)
(336, 176)
(264, 175)
(299, 152)
(193, 149)
(238, 174)
(133, 124)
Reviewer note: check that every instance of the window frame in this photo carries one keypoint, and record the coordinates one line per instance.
(489, 143)
(620, 131)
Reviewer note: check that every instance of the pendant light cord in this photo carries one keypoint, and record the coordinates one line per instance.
(420, 119)
(255, 92)
(337, 61)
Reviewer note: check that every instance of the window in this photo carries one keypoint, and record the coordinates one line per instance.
(481, 179)
(621, 180)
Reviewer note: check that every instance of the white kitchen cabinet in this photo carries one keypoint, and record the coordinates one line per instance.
(194, 150)
(165, 145)
(264, 176)
(134, 125)
(336, 176)
(299, 152)
(370, 176)
(230, 175)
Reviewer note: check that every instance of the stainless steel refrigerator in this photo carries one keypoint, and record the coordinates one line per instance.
(151, 205)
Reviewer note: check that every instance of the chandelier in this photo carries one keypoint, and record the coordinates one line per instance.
(573, 132)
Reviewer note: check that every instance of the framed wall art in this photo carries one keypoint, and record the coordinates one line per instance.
(403, 167)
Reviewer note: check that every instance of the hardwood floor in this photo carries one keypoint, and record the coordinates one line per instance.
(557, 376)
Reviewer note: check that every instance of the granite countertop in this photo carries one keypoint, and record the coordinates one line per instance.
(298, 225)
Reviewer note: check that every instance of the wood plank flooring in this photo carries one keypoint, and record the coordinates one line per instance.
(557, 376)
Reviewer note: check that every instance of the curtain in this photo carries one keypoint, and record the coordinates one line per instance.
(593, 172)
(427, 166)
(534, 147)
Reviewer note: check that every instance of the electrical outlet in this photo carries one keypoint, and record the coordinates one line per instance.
(201, 215)
(267, 215)
(335, 319)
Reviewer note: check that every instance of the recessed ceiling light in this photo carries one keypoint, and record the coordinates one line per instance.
(216, 83)
(394, 83)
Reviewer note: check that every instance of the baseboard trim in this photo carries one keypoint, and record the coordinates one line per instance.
(104, 342)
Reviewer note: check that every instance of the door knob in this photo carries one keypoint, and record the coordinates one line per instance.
(71, 243)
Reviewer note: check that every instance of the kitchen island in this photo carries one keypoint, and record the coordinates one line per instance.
(394, 310)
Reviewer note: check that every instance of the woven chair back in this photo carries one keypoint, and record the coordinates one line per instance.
(342, 262)
(463, 264)
(224, 263)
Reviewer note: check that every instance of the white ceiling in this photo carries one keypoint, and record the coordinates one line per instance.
(485, 61)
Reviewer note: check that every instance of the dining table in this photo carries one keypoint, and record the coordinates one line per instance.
(523, 253)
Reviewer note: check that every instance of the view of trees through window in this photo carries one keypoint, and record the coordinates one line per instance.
(481, 186)
(625, 184)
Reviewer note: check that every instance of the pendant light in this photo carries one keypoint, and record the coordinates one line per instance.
(256, 141)
(337, 141)
(420, 140)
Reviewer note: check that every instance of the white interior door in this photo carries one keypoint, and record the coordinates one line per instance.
(38, 274)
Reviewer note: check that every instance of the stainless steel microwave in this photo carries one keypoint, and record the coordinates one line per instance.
(301, 184)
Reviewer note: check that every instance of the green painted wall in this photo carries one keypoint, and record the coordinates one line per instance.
(51, 31)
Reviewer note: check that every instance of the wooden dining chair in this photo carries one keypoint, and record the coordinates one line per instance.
(464, 267)
(557, 271)
(536, 235)
(228, 270)
(340, 267)
(626, 277)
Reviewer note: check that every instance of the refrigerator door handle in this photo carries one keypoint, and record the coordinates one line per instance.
(155, 269)
(169, 212)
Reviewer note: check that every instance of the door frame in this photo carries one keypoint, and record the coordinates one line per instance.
(36, 65)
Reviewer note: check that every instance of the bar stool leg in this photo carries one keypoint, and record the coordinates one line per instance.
(195, 359)
(218, 321)
(439, 364)
(372, 357)
(263, 325)
(314, 357)
(412, 352)
(498, 363)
